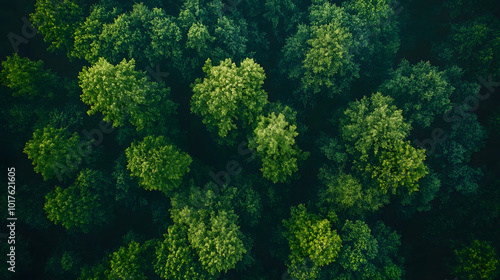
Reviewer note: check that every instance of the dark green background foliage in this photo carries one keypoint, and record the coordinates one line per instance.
(252, 139)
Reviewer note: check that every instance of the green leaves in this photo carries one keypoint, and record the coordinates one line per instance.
(81, 205)
(374, 131)
(310, 237)
(375, 30)
(420, 90)
(372, 124)
(474, 44)
(477, 261)
(175, 258)
(327, 63)
(274, 141)
(159, 165)
(28, 78)
(229, 97)
(57, 21)
(218, 243)
(146, 35)
(401, 165)
(318, 54)
(368, 254)
(119, 93)
(54, 152)
(130, 262)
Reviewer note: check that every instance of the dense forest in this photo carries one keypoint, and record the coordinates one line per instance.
(250, 139)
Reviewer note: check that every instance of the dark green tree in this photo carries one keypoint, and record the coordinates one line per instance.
(57, 21)
(476, 261)
(28, 78)
(420, 90)
(472, 45)
(368, 254)
(55, 153)
(82, 205)
(318, 57)
(375, 30)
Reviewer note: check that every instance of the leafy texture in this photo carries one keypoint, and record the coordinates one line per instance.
(80, 206)
(229, 97)
(28, 78)
(119, 93)
(420, 90)
(274, 142)
(54, 152)
(312, 238)
(477, 261)
(157, 164)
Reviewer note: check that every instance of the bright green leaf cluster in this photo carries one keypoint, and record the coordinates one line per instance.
(120, 92)
(157, 164)
(229, 94)
(274, 142)
(311, 237)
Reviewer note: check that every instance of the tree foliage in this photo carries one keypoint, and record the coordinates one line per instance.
(476, 261)
(143, 34)
(57, 21)
(54, 152)
(472, 45)
(131, 261)
(229, 97)
(318, 56)
(310, 237)
(274, 142)
(28, 78)
(176, 259)
(120, 92)
(80, 206)
(158, 164)
(368, 254)
(420, 90)
(374, 131)
(375, 30)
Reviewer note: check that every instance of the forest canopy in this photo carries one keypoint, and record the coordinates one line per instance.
(251, 140)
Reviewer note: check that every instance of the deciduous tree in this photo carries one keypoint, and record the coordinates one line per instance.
(158, 164)
(476, 261)
(80, 206)
(274, 141)
(420, 90)
(229, 97)
(55, 152)
(121, 93)
(310, 237)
